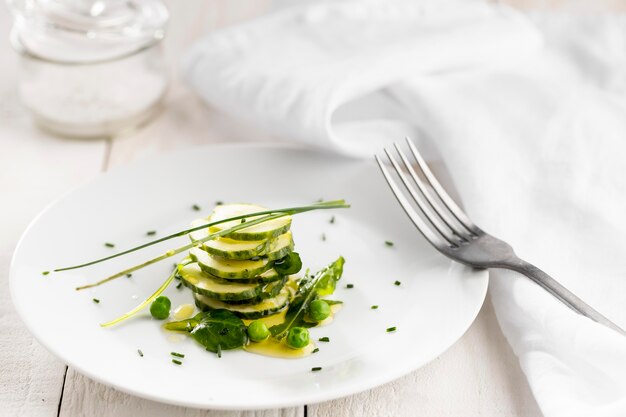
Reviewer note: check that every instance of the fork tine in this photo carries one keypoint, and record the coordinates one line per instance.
(427, 211)
(444, 214)
(428, 234)
(441, 192)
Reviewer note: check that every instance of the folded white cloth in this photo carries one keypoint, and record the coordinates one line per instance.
(532, 133)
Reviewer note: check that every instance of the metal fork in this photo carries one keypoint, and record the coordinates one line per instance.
(452, 233)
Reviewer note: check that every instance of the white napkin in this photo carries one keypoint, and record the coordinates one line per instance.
(537, 149)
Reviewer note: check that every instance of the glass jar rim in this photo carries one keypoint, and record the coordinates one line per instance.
(21, 49)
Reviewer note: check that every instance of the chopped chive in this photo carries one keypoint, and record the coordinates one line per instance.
(180, 284)
(109, 245)
(391, 329)
(374, 307)
(350, 286)
(151, 233)
(324, 339)
(95, 300)
(316, 368)
(140, 352)
(196, 207)
(323, 237)
(45, 272)
(332, 220)
(388, 243)
(219, 203)
(129, 275)
(219, 350)
(397, 283)
(178, 355)
(315, 350)
(177, 362)
(243, 220)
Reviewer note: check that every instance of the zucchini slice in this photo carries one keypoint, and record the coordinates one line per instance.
(202, 283)
(268, 276)
(247, 311)
(243, 249)
(262, 231)
(229, 268)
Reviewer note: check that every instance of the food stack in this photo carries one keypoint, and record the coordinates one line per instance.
(244, 272)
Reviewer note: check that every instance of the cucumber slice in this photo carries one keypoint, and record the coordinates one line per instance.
(268, 276)
(263, 231)
(270, 290)
(202, 283)
(247, 311)
(244, 249)
(229, 268)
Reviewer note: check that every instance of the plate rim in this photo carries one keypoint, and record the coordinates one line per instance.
(337, 393)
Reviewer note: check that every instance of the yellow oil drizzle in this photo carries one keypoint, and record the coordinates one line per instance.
(183, 311)
(278, 349)
(272, 320)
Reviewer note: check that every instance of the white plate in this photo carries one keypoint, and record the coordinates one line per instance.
(436, 303)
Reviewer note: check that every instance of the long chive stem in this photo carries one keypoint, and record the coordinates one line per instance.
(291, 210)
(176, 251)
(144, 304)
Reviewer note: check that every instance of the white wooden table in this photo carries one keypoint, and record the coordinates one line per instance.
(478, 376)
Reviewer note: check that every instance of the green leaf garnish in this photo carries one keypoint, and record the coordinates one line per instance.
(329, 277)
(307, 291)
(216, 330)
(290, 264)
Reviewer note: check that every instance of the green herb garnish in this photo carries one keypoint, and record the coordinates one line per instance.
(388, 243)
(323, 283)
(177, 362)
(95, 300)
(145, 303)
(374, 307)
(45, 272)
(267, 215)
(349, 286)
(288, 265)
(219, 203)
(129, 275)
(315, 350)
(391, 329)
(109, 245)
(216, 330)
(324, 339)
(316, 368)
(397, 283)
(140, 352)
(151, 233)
(196, 207)
(178, 355)
(332, 220)
(179, 286)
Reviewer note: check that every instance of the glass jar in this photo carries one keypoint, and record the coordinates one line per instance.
(90, 68)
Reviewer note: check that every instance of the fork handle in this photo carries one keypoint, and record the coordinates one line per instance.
(561, 293)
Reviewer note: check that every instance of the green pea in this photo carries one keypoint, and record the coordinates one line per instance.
(160, 308)
(319, 310)
(258, 331)
(298, 338)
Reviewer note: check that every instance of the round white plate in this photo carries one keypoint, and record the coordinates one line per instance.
(434, 306)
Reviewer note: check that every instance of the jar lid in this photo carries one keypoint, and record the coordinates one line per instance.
(87, 31)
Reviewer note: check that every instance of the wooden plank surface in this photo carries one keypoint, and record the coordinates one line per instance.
(477, 376)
